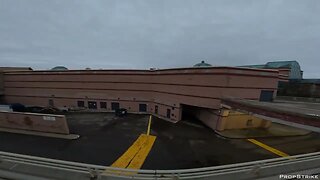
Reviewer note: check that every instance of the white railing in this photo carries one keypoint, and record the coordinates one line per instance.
(31, 167)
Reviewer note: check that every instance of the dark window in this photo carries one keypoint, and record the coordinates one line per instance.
(142, 108)
(92, 105)
(266, 96)
(156, 109)
(51, 103)
(103, 105)
(168, 113)
(115, 106)
(80, 103)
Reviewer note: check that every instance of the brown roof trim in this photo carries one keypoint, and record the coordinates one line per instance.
(202, 70)
(15, 69)
(152, 74)
(170, 84)
(220, 67)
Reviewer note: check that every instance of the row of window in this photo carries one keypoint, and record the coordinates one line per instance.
(103, 105)
(116, 105)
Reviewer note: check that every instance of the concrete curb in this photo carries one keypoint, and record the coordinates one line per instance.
(276, 130)
(253, 137)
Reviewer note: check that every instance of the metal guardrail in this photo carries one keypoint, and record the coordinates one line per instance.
(17, 166)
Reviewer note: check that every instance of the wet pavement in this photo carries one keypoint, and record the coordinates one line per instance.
(186, 144)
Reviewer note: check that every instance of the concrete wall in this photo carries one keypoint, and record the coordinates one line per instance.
(238, 120)
(225, 119)
(211, 118)
(299, 89)
(167, 89)
(303, 99)
(34, 122)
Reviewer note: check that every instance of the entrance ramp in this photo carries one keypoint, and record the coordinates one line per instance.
(297, 114)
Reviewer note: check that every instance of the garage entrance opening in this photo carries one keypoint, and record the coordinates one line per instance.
(192, 114)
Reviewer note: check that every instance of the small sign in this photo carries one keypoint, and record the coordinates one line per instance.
(49, 118)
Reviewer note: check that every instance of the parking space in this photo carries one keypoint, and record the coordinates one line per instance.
(295, 145)
(106, 138)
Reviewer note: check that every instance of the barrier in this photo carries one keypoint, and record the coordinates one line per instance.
(48, 123)
(29, 167)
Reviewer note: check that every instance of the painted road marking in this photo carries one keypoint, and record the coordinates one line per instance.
(125, 159)
(268, 148)
(149, 125)
(137, 153)
(141, 156)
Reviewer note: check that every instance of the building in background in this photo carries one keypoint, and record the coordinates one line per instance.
(291, 79)
(8, 69)
(309, 88)
(171, 94)
(293, 68)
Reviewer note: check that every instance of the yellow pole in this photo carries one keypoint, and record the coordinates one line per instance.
(149, 125)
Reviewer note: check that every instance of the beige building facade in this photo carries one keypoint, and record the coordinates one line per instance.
(163, 93)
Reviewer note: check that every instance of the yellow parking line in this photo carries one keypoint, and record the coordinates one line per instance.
(149, 125)
(268, 148)
(125, 159)
(137, 153)
(141, 156)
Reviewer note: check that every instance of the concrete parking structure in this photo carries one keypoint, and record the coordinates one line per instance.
(104, 139)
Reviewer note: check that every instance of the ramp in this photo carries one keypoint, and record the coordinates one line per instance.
(297, 114)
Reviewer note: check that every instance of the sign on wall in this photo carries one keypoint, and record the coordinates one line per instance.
(49, 118)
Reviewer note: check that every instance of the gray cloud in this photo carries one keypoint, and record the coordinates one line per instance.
(151, 33)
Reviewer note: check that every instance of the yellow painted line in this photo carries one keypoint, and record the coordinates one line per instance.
(137, 153)
(268, 148)
(149, 125)
(141, 156)
(125, 159)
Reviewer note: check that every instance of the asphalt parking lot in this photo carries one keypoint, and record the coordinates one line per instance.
(186, 144)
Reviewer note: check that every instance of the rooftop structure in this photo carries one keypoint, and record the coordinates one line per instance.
(59, 68)
(15, 69)
(202, 64)
(295, 71)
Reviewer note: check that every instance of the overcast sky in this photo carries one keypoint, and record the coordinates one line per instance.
(159, 33)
